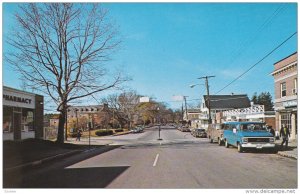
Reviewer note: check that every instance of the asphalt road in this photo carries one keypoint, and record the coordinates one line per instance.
(178, 161)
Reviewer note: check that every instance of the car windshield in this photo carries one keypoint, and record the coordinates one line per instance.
(200, 130)
(252, 127)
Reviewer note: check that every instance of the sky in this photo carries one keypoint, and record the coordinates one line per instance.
(167, 46)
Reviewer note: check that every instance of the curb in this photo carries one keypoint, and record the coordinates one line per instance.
(284, 154)
(44, 160)
(122, 134)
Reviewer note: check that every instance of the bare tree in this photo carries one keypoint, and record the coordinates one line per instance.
(60, 49)
(124, 106)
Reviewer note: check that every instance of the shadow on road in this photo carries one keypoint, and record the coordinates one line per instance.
(98, 177)
(55, 174)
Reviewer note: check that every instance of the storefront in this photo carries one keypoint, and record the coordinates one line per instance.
(286, 93)
(287, 114)
(22, 114)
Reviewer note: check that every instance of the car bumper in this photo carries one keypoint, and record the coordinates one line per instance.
(258, 145)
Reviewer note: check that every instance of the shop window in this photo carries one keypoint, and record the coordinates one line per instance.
(27, 120)
(7, 119)
(286, 119)
(283, 89)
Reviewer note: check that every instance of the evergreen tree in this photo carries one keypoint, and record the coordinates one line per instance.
(265, 99)
(254, 98)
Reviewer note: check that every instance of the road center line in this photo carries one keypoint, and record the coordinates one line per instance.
(156, 158)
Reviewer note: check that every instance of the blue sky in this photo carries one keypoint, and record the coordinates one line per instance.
(167, 46)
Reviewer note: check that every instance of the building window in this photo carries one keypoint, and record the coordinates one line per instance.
(286, 119)
(295, 87)
(283, 89)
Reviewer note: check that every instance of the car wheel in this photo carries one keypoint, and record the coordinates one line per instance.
(226, 144)
(219, 142)
(240, 148)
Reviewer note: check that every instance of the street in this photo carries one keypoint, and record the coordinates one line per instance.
(178, 161)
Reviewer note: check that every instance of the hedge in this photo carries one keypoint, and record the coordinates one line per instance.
(119, 130)
(104, 132)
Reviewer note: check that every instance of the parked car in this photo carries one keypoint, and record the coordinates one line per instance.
(136, 130)
(248, 135)
(215, 133)
(199, 133)
(185, 129)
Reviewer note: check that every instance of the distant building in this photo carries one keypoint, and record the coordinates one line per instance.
(285, 77)
(79, 116)
(192, 117)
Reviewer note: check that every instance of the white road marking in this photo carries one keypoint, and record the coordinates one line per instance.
(156, 158)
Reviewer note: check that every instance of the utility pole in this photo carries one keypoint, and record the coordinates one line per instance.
(186, 114)
(208, 97)
(182, 112)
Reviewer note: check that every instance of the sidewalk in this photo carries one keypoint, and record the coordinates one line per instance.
(291, 151)
(94, 141)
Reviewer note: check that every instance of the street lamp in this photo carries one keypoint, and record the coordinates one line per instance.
(193, 85)
(158, 124)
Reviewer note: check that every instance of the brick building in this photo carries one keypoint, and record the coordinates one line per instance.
(286, 80)
(79, 116)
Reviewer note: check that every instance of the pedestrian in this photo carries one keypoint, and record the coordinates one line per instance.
(78, 135)
(285, 133)
(271, 130)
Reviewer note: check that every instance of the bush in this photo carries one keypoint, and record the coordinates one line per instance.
(119, 130)
(73, 135)
(104, 132)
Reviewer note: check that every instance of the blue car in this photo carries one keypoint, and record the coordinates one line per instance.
(248, 135)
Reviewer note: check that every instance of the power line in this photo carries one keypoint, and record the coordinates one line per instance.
(258, 62)
(243, 45)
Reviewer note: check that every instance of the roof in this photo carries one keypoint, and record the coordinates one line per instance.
(285, 58)
(228, 101)
(19, 91)
(194, 110)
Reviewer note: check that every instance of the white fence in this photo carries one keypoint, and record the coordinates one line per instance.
(254, 109)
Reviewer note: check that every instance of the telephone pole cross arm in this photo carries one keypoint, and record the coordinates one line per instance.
(208, 97)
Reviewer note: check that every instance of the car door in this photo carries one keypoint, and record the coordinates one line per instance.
(235, 134)
(228, 133)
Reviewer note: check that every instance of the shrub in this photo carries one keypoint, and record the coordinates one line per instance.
(73, 135)
(104, 132)
(119, 130)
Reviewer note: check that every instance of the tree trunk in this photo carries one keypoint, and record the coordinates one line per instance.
(61, 124)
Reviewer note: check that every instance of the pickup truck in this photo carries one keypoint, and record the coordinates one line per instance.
(248, 135)
(215, 133)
